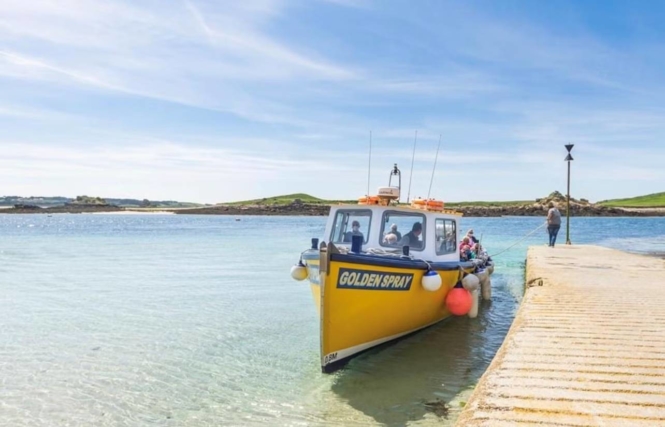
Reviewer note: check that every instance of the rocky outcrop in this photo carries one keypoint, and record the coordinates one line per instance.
(581, 207)
(26, 207)
(82, 204)
(87, 201)
(560, 200)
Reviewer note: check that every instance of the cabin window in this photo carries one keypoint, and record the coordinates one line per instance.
(343, 228)
(446, 236)
(401, 229)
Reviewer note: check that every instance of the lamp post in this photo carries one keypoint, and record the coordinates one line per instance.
(568, 159)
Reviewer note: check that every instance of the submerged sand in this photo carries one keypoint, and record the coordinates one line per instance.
(131, 213)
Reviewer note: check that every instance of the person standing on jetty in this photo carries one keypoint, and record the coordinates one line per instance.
(553, 223)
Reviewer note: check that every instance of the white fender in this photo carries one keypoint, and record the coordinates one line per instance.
(299, 272)
(471, 282)
(431, 281)
(482, 274)
(486, 288)
(475, 295)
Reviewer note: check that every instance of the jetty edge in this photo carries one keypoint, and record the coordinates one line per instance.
(586, 348)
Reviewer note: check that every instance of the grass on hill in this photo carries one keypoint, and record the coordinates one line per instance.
(655, 200)
(288, 199)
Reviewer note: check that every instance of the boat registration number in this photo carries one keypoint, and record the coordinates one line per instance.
(329, 358)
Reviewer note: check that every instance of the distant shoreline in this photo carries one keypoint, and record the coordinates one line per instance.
(469, 211)
(535, 210)
(305, 209)
(60, 209)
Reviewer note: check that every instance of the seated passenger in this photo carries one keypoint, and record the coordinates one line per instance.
(471, 237)
(450, 242)
(412, 237)
(465, 242)
(355, 231)
(465, 253)
(390, 239)
(393, 230)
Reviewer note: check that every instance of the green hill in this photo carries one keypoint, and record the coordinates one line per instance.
(288, 199)
(306, 198)
(648, 201)
(51, 201)
(655, 200)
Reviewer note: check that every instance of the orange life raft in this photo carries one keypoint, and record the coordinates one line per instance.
(428, 204)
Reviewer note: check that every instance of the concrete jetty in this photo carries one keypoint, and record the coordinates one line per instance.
(586, 348)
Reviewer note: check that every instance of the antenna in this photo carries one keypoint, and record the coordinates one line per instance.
(396, 172)
(434, 168)
(411, 174)
(369, 162)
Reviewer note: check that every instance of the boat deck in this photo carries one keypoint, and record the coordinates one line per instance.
(587, 347)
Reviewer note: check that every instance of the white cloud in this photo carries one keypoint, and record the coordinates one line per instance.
(155, 170)
(451, 85)
(35, 114)
(226, 34)
(155, 53)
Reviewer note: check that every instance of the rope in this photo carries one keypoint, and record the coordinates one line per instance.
(388, 253)
(379, 251)
(374, 251)
(538, 228)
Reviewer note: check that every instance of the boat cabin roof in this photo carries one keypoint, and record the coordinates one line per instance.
(430, 232)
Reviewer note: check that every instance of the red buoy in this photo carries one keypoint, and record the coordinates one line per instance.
(459, 301)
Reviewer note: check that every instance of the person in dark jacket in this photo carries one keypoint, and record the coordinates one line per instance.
(412, 238)
(355, 231)
(472, 238)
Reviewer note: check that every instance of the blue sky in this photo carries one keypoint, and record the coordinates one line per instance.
(216, 101)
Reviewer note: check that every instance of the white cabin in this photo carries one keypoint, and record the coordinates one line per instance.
(436, 242)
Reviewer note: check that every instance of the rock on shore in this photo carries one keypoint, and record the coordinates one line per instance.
(539, 211)
(580, 207)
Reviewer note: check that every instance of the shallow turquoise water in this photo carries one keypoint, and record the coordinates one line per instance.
(194, 320)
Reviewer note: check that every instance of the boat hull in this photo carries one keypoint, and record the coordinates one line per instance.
(365, 301)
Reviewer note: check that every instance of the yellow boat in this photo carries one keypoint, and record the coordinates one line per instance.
(387, 271)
